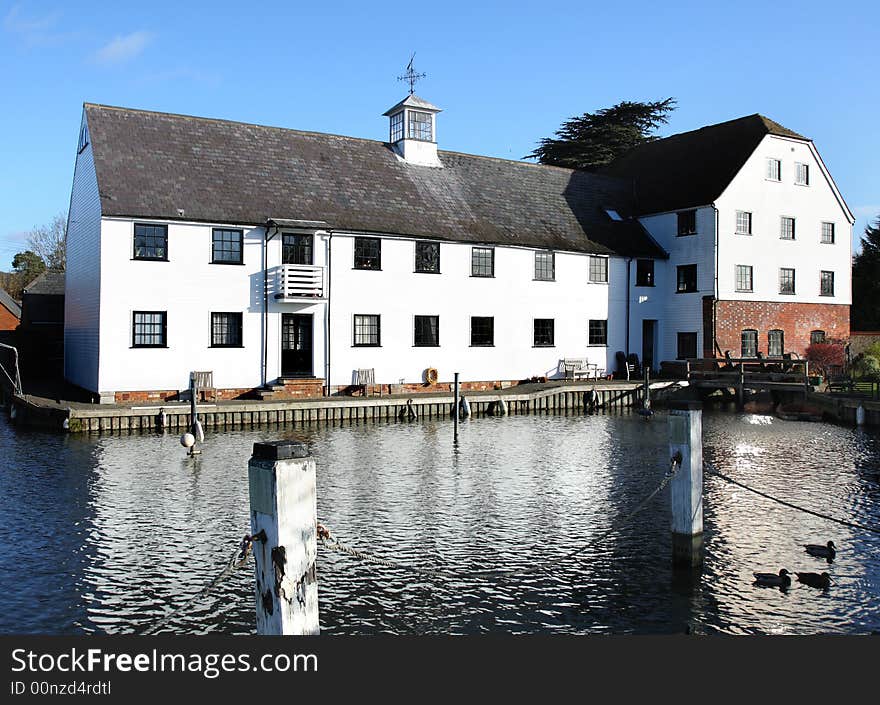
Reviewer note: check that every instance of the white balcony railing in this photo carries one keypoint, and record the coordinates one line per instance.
(296, 282)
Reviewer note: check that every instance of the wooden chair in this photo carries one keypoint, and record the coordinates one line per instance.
(204, 382)
(365, 378)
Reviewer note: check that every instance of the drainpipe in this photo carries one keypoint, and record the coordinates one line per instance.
(715, 298)
(327, 324)
(264, 371)
(628, 296)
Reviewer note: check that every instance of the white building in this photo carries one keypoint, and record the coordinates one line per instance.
(277, 257)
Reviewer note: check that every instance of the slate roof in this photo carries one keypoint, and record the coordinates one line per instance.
(153, 164)
(692, 168)
(48, 283)
(412, 101)
(9, 303)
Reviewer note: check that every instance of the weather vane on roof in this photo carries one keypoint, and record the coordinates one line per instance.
(411, 76)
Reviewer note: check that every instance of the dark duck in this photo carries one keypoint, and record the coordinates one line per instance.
(816, 580)
(827, 551)
(782, 579)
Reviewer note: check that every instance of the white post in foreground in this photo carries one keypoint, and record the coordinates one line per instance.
(686, 487)
(283, 502)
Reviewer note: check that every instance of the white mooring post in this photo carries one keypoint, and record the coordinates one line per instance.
(686, 487)
(283, 502)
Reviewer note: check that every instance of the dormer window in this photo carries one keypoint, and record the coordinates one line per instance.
(420, 126)
(83, 139)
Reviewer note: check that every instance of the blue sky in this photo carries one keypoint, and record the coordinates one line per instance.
(505, 73)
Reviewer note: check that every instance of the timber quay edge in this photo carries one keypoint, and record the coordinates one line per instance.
(551, 397)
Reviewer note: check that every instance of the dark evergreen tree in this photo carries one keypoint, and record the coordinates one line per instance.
(865, 311)
(596, 139)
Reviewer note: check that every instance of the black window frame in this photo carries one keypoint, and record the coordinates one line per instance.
(543, 332)
(822, 238)
(747, 218)
(739, 284)
(219, 326)
(686, 279)
(778, 344)
(597, 332)
(295, 246)
(783, 279)
(682, 341)
(826, 276)
(415, 127)
(362, 326)
(783, 220)
(541, 268)
(421, 260)
(367, 261)
(419, 331)
(605, 269)
(214, 242)
(483, 326)
(752, 336)
(477, 263)
(83, 139)
(687, 223)
(164, 237)
(644, 273)
(163, 332)
(395, 127)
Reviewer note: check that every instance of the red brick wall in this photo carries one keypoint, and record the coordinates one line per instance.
(7, 320)
(797, 320)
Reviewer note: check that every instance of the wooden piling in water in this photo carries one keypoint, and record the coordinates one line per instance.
(686, 486)
(283, 508)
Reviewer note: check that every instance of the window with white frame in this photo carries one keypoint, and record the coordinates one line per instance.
(482, 262)
(826, 236)
(366, 330)
(744, 277)
(419, 126)
(749, 343)
(397, 127)
(545, 269)
(774, 169)
(802, 174)
(599, 270)
(786, 228)
(743, 223)
(775, 343)
(598, 332)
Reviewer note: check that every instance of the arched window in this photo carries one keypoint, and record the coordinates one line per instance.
(775, 343)
(817, 336)
(749, 343)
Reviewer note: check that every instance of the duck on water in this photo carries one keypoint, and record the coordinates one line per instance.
(782, 579)
(828, 551)
(816, 580)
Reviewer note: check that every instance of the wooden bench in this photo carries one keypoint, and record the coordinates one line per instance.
(580, 368)
(840, 383)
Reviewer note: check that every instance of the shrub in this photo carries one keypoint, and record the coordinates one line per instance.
(823, 356)
(866, 367)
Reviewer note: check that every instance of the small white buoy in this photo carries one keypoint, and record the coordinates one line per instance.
(162, 419)
(464, 408)
(187, 440)
(199, 432)
(860, 416)
(65, 424)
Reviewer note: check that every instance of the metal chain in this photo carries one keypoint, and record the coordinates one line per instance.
(237, 560)
(712, 471)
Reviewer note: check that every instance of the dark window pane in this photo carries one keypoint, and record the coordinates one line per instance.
(366, 329)
(687, 346)
(645, 272)
(428, 257)
(743, 277)
(544, 332)
(226, 246)
(687, 278)
(367, 253)
(150, 241)
(397, 127)
(827, 233)
(749, 343)
(482, 330)
(226, 330)
(482, 262)
(687, 223)
(817, 336)
(827, 284)
(148, 329)
(297, 248)
(427, 331)
(419, 125)
(598, 332)
(786, 281)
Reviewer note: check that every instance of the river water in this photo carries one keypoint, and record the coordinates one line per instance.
(109, 534)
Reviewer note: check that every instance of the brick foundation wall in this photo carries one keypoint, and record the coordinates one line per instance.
(158, 395)
(796, 320)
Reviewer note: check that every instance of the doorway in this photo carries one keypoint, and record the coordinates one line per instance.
(649, 331)
(296, 345)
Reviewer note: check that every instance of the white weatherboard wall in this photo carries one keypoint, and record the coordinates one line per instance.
(397, 293)
(764, 250)
(82, 281)
(677, 313)
(189, 287)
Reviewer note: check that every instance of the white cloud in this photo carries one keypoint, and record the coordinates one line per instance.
(123, 48)
(15, 21)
